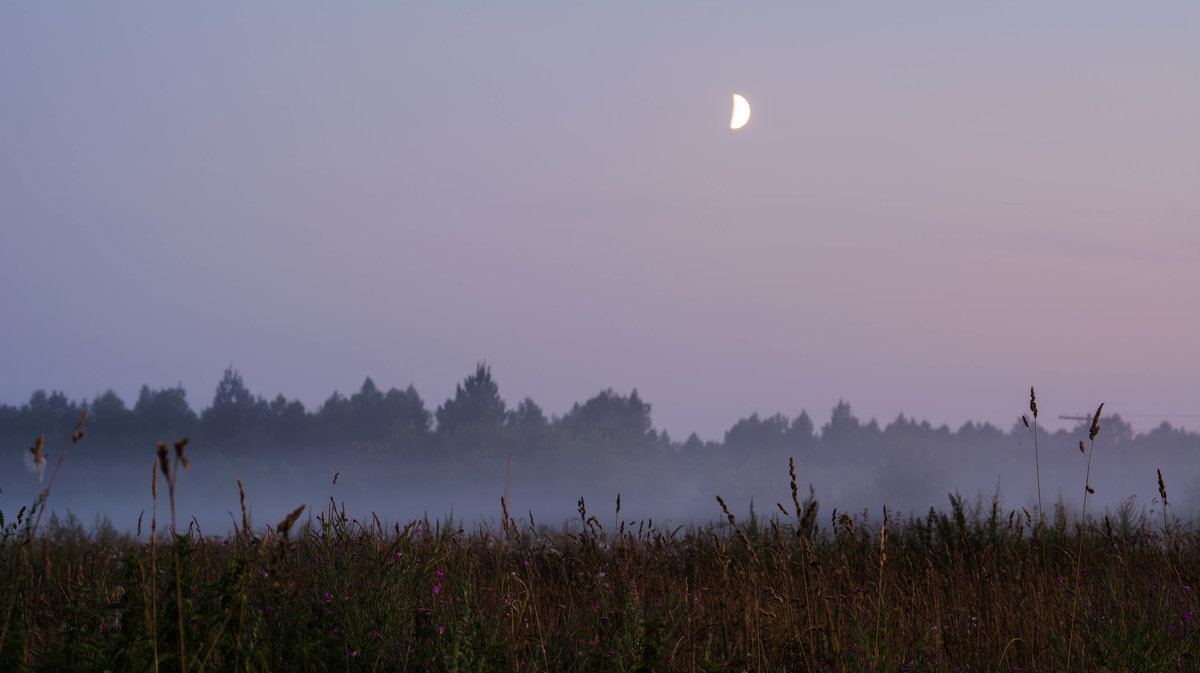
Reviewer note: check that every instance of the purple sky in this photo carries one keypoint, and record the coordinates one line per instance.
(933, 206)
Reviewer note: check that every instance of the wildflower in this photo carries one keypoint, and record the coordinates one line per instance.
(437, 589)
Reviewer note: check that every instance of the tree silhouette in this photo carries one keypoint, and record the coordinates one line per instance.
(768, 435)
(476, 402)
(109, 417)
(611, 422)
(235, 412)
(528, 428)
(164, 413)
(409, 422)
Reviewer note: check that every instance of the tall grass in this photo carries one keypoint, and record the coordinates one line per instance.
(974, 587)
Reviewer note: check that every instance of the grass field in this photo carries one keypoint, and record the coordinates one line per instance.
(970, 588)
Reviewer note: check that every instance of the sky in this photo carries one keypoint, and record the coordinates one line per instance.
(933, 206)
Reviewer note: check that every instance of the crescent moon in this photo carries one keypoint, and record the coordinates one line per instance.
(741, 112)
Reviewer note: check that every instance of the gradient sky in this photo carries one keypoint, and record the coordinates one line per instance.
(933, 207)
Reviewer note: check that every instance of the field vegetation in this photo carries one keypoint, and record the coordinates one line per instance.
(973, 587)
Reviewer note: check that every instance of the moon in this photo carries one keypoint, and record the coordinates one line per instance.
(741, 112)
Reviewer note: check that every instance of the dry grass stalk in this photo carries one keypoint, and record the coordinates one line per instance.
(284, 528)
(39, 458)
(733, 523)
(1037, 463)
(1087, 490)
(1162, 492)
(165, 464)
(245, 516)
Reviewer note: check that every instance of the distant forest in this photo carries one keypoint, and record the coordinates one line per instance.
(477, 421)
(607, 441)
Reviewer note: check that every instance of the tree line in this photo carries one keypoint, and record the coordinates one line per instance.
(477, 422)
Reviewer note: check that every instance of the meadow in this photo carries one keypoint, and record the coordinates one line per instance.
(974, 587)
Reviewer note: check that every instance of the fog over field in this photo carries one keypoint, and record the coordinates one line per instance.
(394, 459)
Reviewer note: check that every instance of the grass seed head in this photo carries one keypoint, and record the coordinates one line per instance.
(179, 447)
(285, 526)
(1033, 402)
(1096, 422)
(163, 463)
(39, 458)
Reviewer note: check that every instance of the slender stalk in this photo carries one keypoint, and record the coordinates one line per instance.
(154, 563)
(179, 607)
(1087, 489)
(1037, 464)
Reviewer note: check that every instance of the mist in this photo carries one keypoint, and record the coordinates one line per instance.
(475, 457)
